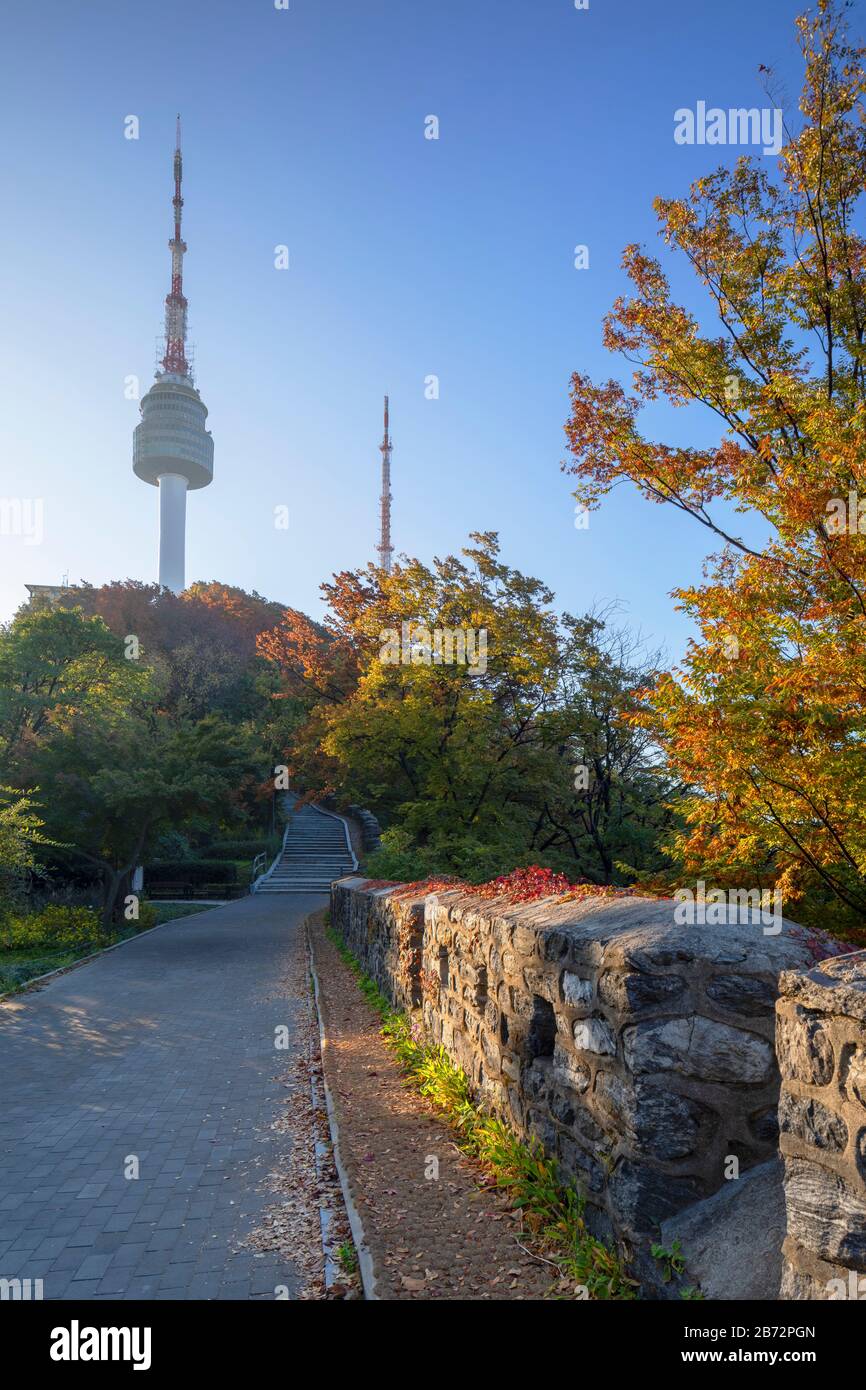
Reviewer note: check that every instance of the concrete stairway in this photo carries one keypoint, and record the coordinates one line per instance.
(315, 851)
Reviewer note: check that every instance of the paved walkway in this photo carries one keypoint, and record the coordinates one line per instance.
(162, 1050)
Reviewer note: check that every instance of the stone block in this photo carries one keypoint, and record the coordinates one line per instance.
(804, 1048)
(732, 1241)
(811, 1122)
(747, 995)
(825, 1214)
(701, 1048)
(576, 991)
(594, 1035)
(635, 993)
(568, 1071)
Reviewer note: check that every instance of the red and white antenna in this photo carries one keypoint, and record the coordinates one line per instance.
(384, 547)
(175, 359)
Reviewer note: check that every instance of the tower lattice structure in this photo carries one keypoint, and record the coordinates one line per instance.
(385, 549)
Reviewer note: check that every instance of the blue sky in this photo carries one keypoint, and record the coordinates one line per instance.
(408, 257)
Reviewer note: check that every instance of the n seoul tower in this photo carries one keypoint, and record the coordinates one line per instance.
(171, 447)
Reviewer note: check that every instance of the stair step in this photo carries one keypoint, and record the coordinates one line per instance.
(315, 852)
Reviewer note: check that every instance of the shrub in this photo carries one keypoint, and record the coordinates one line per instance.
(403, 861)
(400, 865)
(147, 917)
(191, 871)
(242, 849)
(56, 927)
(174, 845)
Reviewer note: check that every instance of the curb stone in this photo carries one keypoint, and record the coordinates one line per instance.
(366, 1267)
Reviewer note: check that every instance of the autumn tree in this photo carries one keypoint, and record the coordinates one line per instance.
(765, 718)
(202, 641)
(469, 763)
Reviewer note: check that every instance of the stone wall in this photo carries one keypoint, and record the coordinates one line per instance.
(821, 1044)
(371, 830)
(639, 1051)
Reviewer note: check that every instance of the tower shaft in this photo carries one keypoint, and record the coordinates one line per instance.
(172, 531)
(385, 549)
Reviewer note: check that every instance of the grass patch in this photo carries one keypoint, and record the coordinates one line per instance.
(346, 1257)
(18, 967)
(169, 912)
(553, 1210)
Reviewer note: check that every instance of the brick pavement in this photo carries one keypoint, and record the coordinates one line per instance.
(163, 1050)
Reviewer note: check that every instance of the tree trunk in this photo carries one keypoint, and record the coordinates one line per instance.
(111, 881)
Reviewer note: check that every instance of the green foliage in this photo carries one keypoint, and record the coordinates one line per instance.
(20, 833)
(121, 753)
(553, 1210)
(118, 786)
(473, 771)
(54, 928)
(347, 1257)
(53, 664)
(462, 856)
(147, 917)
(168, 912)
(17, 967)
(191, 871)
(672, 1260)
(243, 849)
(173, 845)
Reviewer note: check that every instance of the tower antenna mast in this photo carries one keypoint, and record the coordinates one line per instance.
(175, 302)
(385, 549)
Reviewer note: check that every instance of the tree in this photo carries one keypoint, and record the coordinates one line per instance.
(100, 735)
(765, 718)
(202, 642)
(21, 831)
(469, 762)
(436, 741)
(608, 801)
(110, 788)
(53, 664)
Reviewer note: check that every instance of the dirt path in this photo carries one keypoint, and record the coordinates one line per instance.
(433, 1229)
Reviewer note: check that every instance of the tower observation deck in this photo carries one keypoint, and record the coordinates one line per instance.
(172, 447)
